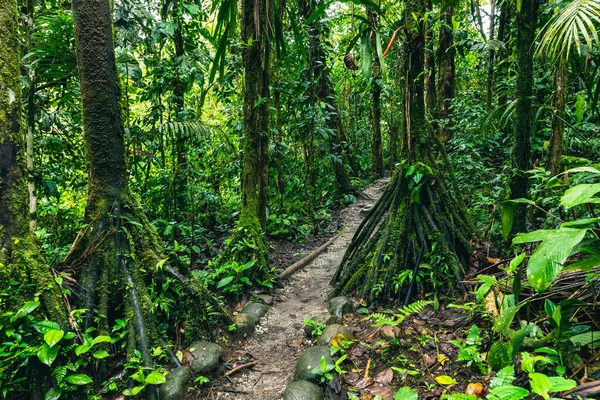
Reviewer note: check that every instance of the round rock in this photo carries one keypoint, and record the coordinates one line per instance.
(332, 331)
(339, 306)
(255, 310)
(265, 299)
(205, 357)
(244, 325)
(177, 383)
(302, 390)
(310, 359)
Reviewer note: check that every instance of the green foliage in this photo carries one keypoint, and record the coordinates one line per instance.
(397, 318)
(317, 328)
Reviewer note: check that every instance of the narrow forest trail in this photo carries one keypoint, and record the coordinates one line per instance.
(279, 338)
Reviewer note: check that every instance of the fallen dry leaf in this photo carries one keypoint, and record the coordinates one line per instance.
(385, 377)
(385, 392)
(476, 389)
(364, 382)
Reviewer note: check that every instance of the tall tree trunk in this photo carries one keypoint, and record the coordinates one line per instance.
(376, 86)
(559, 100)
(430, 100)
(23, 272)
(325, 93)
(114, 283)
(447, 74)
(490, 77)
(255, 163)
(503, 35)
(526, 26)
(256, 60)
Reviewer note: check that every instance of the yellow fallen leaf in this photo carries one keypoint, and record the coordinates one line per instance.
(442, 359)
(445, 380)
(337, 340)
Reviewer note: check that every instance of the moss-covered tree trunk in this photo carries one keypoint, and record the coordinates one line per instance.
(23, 272)
(491, 57)
(420, 217)
(116, 254)
(526, 26)
(561, 78)
(397, 111)
(322, 89)
(247, 240)
(376, 87)
(447, 74)
(430, 92)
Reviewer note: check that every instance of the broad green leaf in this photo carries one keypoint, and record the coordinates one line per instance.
(101, 339)
(515, 262)
(499, 355)
(47, 354)
(540, 384)
(406, 393)
(100, 354)
(586, 338)
(584, 265)
(581, 223)
(366, 55)
(560, 384)
(82, 349)
(45, 326)
(318, 13)
(507, 213)
(225, 281)
(53, 394)
(509, 393)
(505, 319)
(580, 194)
(547, 260)
(155, 378)
(27, 309)
(54, 336)
(78, 379)
(136, 390)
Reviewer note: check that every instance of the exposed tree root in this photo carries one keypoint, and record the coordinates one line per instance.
(417, 217)
(117, 257)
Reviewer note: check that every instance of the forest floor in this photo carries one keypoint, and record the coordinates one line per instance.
(279, 338)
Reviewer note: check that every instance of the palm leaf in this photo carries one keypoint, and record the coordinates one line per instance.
(576, 21)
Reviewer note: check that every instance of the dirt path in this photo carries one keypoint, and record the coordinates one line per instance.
(279, 338)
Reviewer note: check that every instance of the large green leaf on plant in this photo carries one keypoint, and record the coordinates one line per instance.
(580, 194)
(547, 260)
(499, 355)
(155, 378)
(53, 394)
(507, 213)
(27, 309)
(47, 354)
(53, 336)
(366, 54)
(505, 319)
(78, 379)
(406, 393)
(586, 338)
(508, 393)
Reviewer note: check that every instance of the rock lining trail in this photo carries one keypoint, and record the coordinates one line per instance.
(279, 337)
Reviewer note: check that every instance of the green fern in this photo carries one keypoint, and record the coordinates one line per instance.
(397, 318)
(196, 129)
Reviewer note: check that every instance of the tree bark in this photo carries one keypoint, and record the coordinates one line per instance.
(23, 272)
(559, 100)
(376, 143)
(526, 26)
(324, 92)
(447, 74)
(430, 93)
(490, 77)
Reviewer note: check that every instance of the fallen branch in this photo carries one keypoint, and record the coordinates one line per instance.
(240, 367)
(307, 260)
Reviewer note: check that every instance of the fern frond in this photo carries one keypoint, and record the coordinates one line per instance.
(195, 129)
